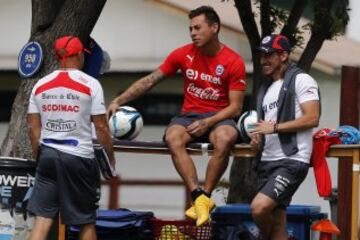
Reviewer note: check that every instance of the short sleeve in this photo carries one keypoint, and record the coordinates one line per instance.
(172, 62)
(237, 76)
(33, 107)
(98, 104)
(306, 88)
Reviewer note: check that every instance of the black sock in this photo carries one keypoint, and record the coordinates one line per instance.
(207, 194)
(196, 193)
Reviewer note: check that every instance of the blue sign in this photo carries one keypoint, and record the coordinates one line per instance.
(30, 59)
(93, 60)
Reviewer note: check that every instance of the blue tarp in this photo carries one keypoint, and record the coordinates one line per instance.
(120, 224)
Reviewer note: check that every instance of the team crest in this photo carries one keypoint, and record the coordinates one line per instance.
(219, 70)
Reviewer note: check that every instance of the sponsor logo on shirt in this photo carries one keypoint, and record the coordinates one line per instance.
(219, 70)
(193, 75)
(60, 125)
(60, 108)
(48, 96)
(191, 58)
(203, 93)
(72, 96)
(209, 78)
(270, 106)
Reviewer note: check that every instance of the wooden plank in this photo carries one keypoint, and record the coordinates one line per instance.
(355, 195)
(239, 150)
(349, 115)
(61, 231)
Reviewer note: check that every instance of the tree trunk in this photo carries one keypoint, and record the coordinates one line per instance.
(265, 18)
(321, 30)
(50, 21)
(243, 181)
(294, 17)
(243, 177)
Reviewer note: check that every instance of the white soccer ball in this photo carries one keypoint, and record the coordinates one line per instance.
(246, 124)
(126, 123)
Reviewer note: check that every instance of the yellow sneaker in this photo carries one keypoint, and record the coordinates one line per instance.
(191, 213)
(202, 209)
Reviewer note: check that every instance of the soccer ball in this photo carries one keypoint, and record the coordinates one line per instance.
(246, 123)
(126, 123)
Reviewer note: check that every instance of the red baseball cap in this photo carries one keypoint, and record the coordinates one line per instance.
(68, 46)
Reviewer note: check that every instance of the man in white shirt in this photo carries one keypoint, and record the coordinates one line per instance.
(61, 108)
(288, 107)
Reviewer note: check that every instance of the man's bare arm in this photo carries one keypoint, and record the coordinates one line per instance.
(34, 131)
(137, 89)
(236, 100)
(140, 87)
(103, 135)
(309, 119)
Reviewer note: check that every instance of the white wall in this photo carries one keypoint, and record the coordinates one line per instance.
(145, 32)
(352, 30)
(15, 26)
(137, 34)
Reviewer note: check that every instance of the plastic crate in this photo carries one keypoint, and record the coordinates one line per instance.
(299, 218)
(179, 230)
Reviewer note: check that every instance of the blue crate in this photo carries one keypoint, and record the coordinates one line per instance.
(299, 218)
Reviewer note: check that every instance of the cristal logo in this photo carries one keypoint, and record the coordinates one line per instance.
(192, 74)
(60, 125)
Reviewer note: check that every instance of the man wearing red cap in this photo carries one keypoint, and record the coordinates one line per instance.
(214, 89)
(288, 107)
(61, 108)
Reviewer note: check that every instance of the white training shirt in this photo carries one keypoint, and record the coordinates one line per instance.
(306, 89)
(65, 100)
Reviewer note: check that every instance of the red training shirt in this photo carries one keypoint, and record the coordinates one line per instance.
(207, 79)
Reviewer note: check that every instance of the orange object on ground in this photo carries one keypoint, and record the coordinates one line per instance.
(326, 228)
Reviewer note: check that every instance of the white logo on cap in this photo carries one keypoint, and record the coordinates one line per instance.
(266, 40)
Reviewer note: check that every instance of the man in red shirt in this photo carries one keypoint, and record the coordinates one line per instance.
(214, 88)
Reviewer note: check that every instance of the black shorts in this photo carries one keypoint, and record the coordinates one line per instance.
(65, 183)
(280, 179)
(186, 119)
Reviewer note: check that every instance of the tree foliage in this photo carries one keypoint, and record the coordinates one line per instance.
(49, 21)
